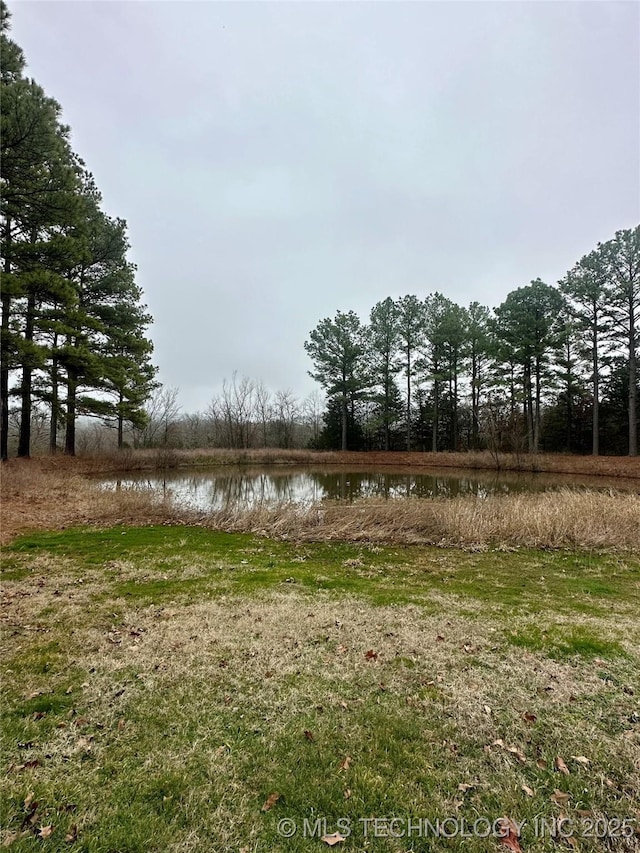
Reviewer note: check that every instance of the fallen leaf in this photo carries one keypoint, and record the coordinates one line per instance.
(347, 793)
(499, 742)
(486, 709)
(528, 717)
(519, 754)
(45, 831)
(509, 835)
(308, 734)
(121, 723)
(464, 787)
(581, 759)
(542, 764)
(561, 766)
(371, 655)
(560, 797)
(331, 840)
(528, 791)
(30, 807)
(341, 650)
(72, 835)
(270, 802)
(346, 763)
(28, 799)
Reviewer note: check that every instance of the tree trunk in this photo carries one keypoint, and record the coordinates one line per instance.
(55, 405)
(70, 418)
(633, 402)
(4, 351)
(345, 414)
(455, 406)
(528, 393)
(569, 399)
(387, 397)
(536, 419)
(595, 421)
(120, 424)
(434, 428)
(408, 399)
(475, 425)
(24, 440)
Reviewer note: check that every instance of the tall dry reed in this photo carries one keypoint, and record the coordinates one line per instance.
(36, 496)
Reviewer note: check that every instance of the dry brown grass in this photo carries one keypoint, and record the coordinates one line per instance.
(563, 519)
(41, 496)
(295, 640)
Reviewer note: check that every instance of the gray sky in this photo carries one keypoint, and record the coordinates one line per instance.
(277, 162)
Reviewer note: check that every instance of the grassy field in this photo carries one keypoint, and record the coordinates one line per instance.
(177, 688)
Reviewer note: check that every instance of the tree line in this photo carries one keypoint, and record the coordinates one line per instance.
(244, 415)
(552, 368)
(74, 332)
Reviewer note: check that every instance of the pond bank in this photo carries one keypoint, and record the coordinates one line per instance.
(37, 497)
(159, 458)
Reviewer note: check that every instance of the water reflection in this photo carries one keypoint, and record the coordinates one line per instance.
(239, 488)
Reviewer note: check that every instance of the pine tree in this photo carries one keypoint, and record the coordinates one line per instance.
(337, 348)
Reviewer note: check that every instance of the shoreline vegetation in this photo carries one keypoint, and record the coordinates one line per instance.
(57, 493)
(483, 460)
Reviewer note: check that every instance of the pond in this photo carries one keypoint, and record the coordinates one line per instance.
(242, 487)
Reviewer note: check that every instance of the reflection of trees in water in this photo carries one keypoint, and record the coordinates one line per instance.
(351, 486)
(222, 490)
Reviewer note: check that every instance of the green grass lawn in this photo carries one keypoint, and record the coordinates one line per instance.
(162, 684)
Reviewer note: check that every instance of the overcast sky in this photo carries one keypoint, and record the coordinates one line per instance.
(277, 162)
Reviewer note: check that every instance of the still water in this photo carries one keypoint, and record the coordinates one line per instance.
(241, 488)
